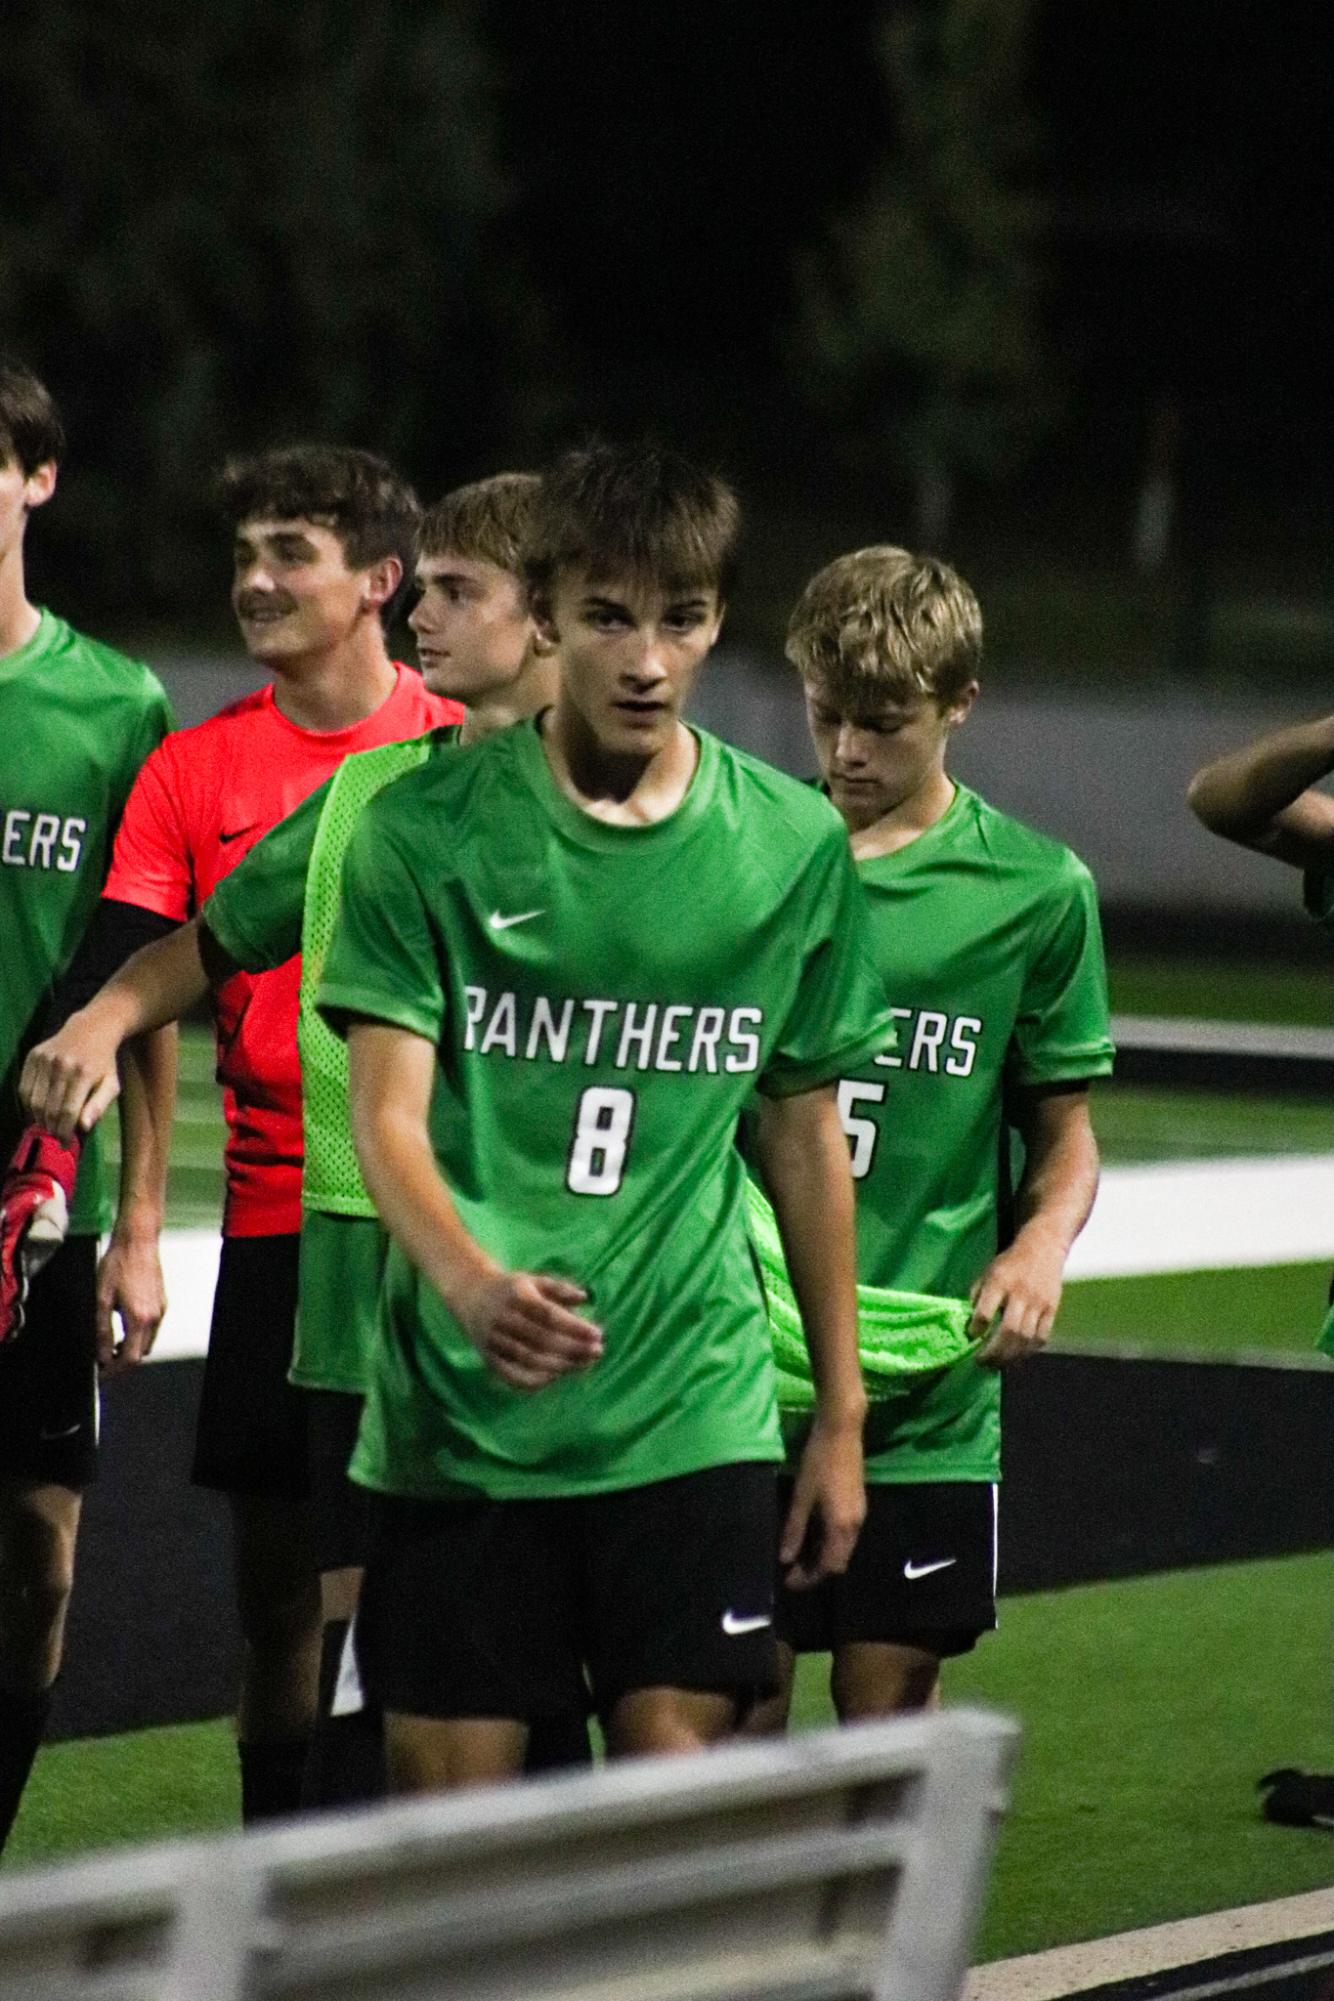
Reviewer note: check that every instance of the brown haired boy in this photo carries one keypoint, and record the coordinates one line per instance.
(570, 1432)
(77, 721)
(321, 538)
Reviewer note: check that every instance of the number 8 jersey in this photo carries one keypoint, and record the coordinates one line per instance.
(603, 1000)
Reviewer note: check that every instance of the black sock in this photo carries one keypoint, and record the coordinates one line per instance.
(22, 1726)
(346, 1764)
(555, 1743)
(271, 1776)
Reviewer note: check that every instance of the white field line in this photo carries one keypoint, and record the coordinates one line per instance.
(1202, 1215)
(1071, 1970)
(1209, 1215)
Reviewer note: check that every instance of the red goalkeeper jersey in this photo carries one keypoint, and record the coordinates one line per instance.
(201, 801)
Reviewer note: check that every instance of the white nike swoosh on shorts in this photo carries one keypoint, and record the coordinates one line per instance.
(732, 1623)
(912, 1570)
(498, 923)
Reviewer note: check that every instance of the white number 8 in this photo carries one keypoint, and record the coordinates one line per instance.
(602, 1122)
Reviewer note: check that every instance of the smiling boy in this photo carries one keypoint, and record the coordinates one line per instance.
(476, 639)
(565, 959)
(321, 539)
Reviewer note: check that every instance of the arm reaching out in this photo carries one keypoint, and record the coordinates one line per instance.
(1020, 1290)
(522, 1323)
(1263, 798)
(803, 1157)
(69, 1080)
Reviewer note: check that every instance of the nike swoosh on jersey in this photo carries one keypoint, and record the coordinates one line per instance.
(911, 1569)
(734, 1622)
(65, 1431)
(499, 923)
(226, 835)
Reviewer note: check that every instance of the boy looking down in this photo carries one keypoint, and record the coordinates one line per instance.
(986, 936)
(565, 959)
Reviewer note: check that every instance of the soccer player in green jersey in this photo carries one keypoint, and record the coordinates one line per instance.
(565, 959)
(477, 642)
(1267, 797)
(986, 935)
(76, 722)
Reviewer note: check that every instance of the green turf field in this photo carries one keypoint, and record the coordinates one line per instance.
(1226, 990)
(1149, 1708)
(1138, 1122)
(1276, 1310)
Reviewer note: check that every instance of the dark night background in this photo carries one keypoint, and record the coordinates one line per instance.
(464, 233)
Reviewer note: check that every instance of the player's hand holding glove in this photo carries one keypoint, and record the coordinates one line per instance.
(35, 1199)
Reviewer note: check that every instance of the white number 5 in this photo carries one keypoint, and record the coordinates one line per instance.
(602, 1123)
(863, 1134)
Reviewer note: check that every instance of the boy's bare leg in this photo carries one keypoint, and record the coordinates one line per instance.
(653, 1722)
(769, 1718)
(876, 1679)
(429, 1754)
(38, 1526)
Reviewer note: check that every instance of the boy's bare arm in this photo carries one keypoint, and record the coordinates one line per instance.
(69, 1080)
(803, 1155)
(520, 1321)
(129, 1275)
(1261, 796)
(1020, 1289)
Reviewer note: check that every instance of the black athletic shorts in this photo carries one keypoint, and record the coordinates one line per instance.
(48, 1375)
(499, 1608)
(339, 1509)
(251, 1434)
(923, 1574)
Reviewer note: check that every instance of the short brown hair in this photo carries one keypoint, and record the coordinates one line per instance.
(31, 432)
(372, 511)
(882, 624)
(633, 510)
(488, 521)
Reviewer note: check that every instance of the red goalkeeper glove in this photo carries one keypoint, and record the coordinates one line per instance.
(35, 1199)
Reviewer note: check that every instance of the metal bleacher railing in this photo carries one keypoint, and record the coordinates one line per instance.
(833, 1866)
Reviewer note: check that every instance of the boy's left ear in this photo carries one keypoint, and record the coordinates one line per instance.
(40, 484)
(382, 582)
(959, 708)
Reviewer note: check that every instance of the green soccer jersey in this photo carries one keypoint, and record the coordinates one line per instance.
(602, 1001)
(282, 898)
(76, 722)
(986, 935)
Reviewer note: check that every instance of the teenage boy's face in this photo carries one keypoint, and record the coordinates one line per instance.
(20, 492)
(293, 593)
(472, 626)
(875, 757)
(630, 651)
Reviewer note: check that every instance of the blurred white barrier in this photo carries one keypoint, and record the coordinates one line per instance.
(828, 1866)
(1188, 1215)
